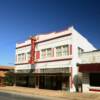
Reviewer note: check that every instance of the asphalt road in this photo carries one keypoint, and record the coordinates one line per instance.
(18, 96)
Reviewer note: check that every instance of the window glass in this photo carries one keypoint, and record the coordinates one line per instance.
(58, 51)
(65, 50)
(80, 50)
(23, 56)
(43, 53)
(49, 52)
(28, 55)
(19, 57)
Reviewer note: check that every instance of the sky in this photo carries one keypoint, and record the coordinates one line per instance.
(20, 19)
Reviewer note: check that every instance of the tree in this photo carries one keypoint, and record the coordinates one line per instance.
(9, 78)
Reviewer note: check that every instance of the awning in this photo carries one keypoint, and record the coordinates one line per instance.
(55, 70)
(89, 67)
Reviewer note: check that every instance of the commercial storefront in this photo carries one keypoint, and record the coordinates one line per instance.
(90, 68)
(51, 59)
(56, 79)
(25, 80)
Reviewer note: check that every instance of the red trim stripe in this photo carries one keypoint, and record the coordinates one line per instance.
(45, 61)
(53, 60)
(71, 80)
(54, 38)
(44, 40)
(96, 90)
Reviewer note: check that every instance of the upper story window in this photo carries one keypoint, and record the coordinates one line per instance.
(62, 50)
(19, 57)
(80, 50)
(46, 53)
(28, 55)
(23, 56)
(49, 52)
(65, 50)
(43, 53)
(58, 51)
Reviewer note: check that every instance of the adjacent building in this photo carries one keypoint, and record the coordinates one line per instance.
(90, 69)
(3, 71)
(49, 61)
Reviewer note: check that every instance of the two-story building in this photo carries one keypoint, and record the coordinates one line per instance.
(49, 61)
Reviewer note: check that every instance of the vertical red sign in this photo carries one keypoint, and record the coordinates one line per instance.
(32, 54)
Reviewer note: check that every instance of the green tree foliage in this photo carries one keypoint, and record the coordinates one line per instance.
(9, 78)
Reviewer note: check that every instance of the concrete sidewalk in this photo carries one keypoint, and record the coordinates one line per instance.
(34, 91)
(52, 93)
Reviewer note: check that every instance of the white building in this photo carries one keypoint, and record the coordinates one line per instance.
(51, 58)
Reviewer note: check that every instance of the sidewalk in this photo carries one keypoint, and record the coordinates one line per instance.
(52, 93)
(34, 91)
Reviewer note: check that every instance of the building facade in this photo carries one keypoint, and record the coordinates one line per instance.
(90, 69)
(49, 61)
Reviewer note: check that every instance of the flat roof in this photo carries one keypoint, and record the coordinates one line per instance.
(6, 67)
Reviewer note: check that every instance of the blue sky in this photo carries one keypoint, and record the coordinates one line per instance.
(20, 19)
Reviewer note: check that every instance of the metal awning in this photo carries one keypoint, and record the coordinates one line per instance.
(89, 68)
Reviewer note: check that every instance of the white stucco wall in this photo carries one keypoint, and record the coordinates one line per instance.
(57, 64)
(25, 49)
(90, 57)
(52, 35)
(26, 42)
(85, 84)
(53, 44)
(21, 67)
(75, 39)
(78, 41)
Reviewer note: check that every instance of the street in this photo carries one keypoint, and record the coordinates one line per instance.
(18, 96)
